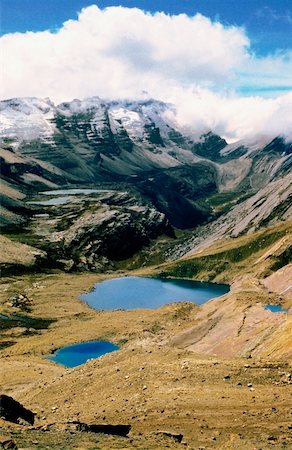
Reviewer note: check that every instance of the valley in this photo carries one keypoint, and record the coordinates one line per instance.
(95, 190)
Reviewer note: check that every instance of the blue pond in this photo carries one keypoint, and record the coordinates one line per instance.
(133, 293)
(275, 308)
(138, 292)
(77, 354)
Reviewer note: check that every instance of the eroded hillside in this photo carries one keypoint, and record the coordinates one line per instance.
(95, 190)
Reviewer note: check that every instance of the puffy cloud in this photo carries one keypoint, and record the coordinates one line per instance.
(234, 117)
(122, 52)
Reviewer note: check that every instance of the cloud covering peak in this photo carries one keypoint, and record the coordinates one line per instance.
(122, 52)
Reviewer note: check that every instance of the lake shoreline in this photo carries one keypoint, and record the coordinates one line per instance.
(150, 366)
(137, 292)
(77, 354)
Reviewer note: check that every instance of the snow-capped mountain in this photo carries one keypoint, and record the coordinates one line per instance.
(111, 129)
(27, 119)
(143, 135)
(140, 144)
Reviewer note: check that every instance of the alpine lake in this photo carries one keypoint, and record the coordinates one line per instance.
(134, 293)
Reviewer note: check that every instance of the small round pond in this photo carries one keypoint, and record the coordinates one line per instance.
(77, 354)
(150, 293)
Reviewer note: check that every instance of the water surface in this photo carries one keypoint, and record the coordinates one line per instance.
(64, 196)
(138, 292)
(275, 308)
(74, 191)
(52, 201)
(77, 354)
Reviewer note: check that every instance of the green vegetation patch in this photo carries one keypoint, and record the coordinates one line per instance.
(5, 344)
(220, 262)
(282, 260)
(7, 322)
(223, 201)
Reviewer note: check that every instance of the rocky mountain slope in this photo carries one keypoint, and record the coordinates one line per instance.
(95, 186)
(114, 230)
(195, 181)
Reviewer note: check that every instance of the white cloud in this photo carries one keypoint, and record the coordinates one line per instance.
(120, 52)
(234, 117)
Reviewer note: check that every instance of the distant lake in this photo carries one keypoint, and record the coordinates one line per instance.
(75, 191)
(77, 354)
(52, 201)
(150, 293)
(64, 196)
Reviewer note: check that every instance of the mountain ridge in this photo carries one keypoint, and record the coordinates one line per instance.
(151, 201)
(197, 181)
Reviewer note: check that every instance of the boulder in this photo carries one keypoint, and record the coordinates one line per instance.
(117, 430)
(7, 443)
(178, 437)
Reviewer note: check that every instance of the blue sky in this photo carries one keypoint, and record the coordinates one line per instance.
(225, 64)
(268, 22)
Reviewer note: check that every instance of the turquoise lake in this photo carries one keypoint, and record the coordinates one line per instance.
(77, 354)
(133, 293)
(275, 308)
(150, 293)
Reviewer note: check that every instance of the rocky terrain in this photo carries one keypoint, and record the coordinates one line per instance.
(80, 142)
(114, 230)
(181, 180)
(93, 190)
(218, 374)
